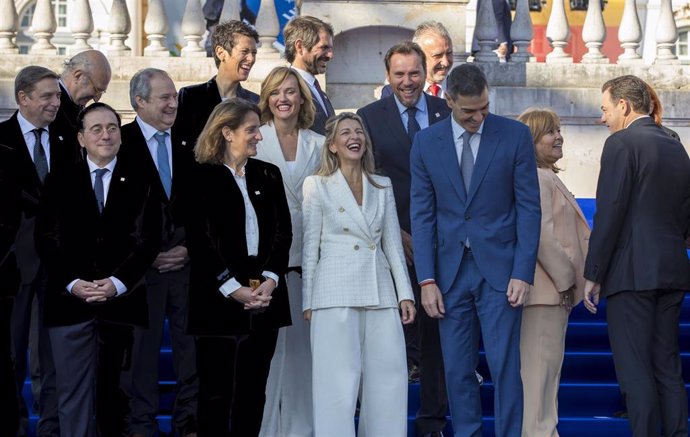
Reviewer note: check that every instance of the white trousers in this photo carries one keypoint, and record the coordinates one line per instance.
(353, 347)
(288, 408)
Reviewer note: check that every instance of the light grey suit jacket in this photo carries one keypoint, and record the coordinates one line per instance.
(352, 256)
(307, 160)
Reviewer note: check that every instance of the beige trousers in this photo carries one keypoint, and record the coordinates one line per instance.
(542, 343)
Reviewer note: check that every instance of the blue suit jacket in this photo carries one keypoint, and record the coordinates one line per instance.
(500, 214)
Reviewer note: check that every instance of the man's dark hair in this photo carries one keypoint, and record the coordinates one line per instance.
(466, 80)
(95, 107)
(405, 48)
(305, 28)
(225, 35)
(631, 89)
(28, 77)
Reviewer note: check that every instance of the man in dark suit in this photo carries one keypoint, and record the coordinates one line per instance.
(98, 231)
(434, 40)
(234, 50)
(392, 123)
(476, 220)
(504, 45)
(147, 140)
(637, 257)
(38, 149)
(309, 48)
(10, 215)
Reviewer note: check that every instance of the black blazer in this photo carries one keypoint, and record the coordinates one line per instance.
(195, 104)
(320, 117)
(392, 145)
(75, 241)
(65, 123)
(218, 248)
(643, 194)
(175, 209)
(10, 214)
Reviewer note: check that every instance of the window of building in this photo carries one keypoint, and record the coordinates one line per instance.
(682, 45)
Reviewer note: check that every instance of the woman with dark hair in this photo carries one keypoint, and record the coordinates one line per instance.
(239, 239)
(287, 112)
(355, 285)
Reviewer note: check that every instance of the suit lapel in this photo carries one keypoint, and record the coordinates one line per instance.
(434, 114)
(343, 194)
(487, 148)
(395, 126)
(306, 148)
(17, 142)
(370, 202)
(271, 148)
(569, 197)
(449, 159)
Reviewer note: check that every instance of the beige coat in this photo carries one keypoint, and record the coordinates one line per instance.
(562, 244)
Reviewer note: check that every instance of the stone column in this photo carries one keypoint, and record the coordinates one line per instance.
(630, 34)
(119, 27)
(231, 10)
(43, 26)
(268, 27)
(81, 25)
(156, 28)
(9, 23)
(193, 29)
(558, 33)
(666, 35)
(521, 32)
(594, 34)
(486, 31)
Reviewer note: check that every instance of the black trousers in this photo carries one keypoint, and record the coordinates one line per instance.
(232, 383)
(643, 331)
(8, 389)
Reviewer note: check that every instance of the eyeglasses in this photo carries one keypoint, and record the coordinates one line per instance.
(98, 130)
(99, 92)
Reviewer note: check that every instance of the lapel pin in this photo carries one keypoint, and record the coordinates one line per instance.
(257, 192)
(60, 137)
(184, 143)
(122, 179)
(437, 115)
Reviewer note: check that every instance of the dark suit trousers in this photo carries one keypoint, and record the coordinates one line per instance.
(168, 295)
(433, 402)
(8, 392)
(232, 383)
(643, 331)
(89, 360)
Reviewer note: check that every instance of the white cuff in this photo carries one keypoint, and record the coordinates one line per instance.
(119, 286)
(71, 285)
(229, 287)
(271, 275)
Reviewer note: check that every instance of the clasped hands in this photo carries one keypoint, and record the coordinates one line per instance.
(258, 298)
(99, 290)
(171, 260)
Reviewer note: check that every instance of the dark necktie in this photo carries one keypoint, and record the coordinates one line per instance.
(164, 163)
(412, 125)
(434, 89)
(467, 164)
(98, 188)
(40, 159)
(328, 108)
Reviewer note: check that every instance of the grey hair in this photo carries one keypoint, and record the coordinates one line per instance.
(77, 62)
(140, 85)
(431, 27)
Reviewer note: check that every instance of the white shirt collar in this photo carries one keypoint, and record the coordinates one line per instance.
(148, 130)
(25, 125)
(110, 166)
(420, 105)
(307, 76)
(459, 130)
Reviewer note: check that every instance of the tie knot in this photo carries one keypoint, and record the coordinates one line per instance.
(100, 172)
(434, 89)
(411, 111)
(38, 130)
(160, 137)
(466, 137)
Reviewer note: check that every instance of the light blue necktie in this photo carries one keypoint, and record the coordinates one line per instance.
(164, 163)
(467, 164)
(98, 188)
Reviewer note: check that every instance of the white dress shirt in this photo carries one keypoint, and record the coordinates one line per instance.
(457, 137)
(30, 138)
(251, 229)
(310, 79)
(106, 178)
(422, 115)
(149, 133)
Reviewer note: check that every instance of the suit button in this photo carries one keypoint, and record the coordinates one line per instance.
(99, 240)
(378, 229)
(372, 246)
(346, 229)
(467, 217)
(341, 209)
(356, 246)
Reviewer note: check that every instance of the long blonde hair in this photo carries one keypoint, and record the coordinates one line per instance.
(330, 162)
(540, 122)
(272, 82)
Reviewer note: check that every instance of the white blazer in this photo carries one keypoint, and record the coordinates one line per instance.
(309, 145)
(352, 256)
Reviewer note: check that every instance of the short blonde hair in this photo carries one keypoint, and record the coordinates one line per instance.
(540, 122)
(272, 82)
(330, 161)
(210, 146)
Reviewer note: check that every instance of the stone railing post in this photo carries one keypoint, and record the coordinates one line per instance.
(630, 34)
(268, 27)
(81, 25)
(666, 35)
(231, 10)
(486, 32)
(156, 28)
(43, 26)
(9, 23)
(193, 28)
(558, 33)
(119, 27)
(594, 34)
(521, 32)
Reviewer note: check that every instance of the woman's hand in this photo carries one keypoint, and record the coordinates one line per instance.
(307, 315)
(408, 311)
(246, 296)
(567, 298)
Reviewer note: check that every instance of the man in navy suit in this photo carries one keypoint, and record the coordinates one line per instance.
(234, 51)
(392, 128)
(309, 48)
(475, 228)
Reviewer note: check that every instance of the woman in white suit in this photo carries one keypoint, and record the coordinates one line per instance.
(355, 286)
(287, 112)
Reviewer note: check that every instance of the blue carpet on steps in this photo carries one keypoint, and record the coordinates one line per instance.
(589, 393)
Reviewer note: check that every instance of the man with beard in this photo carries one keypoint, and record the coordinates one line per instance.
(169, 164)
(309, 48)
(234, 51)
(434, 39)
(392, 123)
(39, 149)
